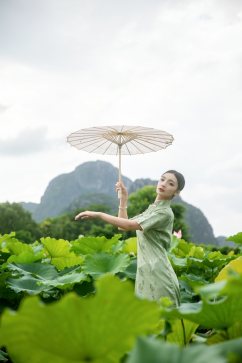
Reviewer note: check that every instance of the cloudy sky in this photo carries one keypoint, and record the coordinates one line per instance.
(173, 65)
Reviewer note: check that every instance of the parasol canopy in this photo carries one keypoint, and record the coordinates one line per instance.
(120, 140)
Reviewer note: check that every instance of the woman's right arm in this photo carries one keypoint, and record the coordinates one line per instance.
(122, 223)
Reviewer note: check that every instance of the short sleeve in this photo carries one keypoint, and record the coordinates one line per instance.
(155, 220)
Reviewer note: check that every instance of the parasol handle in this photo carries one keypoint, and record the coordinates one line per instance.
(119, 170)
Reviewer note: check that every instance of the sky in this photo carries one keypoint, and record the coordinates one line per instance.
(170, 65)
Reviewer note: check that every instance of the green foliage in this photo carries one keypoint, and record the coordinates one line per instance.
(179, 223)
(60, 253)
(101, 263)
(237, 238)
(151, 350)
(25, 268)
(39, 277)
(181, 331)
(100, 324)
(95, 329)
(220, 306)
(230, 268)
(130, 245)
(189, 261)
(13, 217)
(67, 228)
(3, 356)
(140, 200)
(90, 245)
(7, 296)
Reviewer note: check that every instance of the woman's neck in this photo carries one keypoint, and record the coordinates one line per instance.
(157, 199)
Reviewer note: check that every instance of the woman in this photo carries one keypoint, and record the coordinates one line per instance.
(155, 276)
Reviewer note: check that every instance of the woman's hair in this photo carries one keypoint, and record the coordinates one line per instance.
(179, 177)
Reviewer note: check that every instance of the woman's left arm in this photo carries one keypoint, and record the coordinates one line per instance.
(123, 223)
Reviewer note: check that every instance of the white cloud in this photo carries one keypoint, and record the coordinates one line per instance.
(3, 108)
(26, 142)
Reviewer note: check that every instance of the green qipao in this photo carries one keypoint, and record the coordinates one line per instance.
(155, 277)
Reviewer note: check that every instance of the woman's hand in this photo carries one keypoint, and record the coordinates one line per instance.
(87, 215)
(119, 186)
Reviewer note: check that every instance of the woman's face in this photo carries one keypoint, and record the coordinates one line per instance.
(167, 186)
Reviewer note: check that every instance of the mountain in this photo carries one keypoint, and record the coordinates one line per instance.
(222, 241)
(93, 199)
(140, 183)
(29, 206)
(93, 182)
(88, 178)
(199, 227)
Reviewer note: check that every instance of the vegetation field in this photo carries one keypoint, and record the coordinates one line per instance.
(72, 301)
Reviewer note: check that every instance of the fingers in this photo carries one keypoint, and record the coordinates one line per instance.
(82, 215)
(85, 215)
(119, 185)
(78, 216)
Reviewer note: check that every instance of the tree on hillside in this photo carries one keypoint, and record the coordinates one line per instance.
(14, 218)
(67, 228)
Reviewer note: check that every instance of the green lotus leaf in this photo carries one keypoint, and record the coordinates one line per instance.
(60, 253)
(3, 356)
(16, 248)
(231, 349)
(39, 277)
(182, 249)
(39, 270)
(187, 292)
(56, 247)
(194, 280)
(130, 271)
(235, 331)
(5, 239)
(71, 260)
(178, 262)
(220, 307)
(130, 245)
(98, 329)
(25, 257)
(215, 255)
(206, 267)
(66, 280)
(182, 331)
(91, 245)
(212, 263)
(234, 265)
(27, 284)
(101, 263)
(197, 252)
(151, 350)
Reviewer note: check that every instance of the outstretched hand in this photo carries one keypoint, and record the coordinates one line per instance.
(86, 215)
